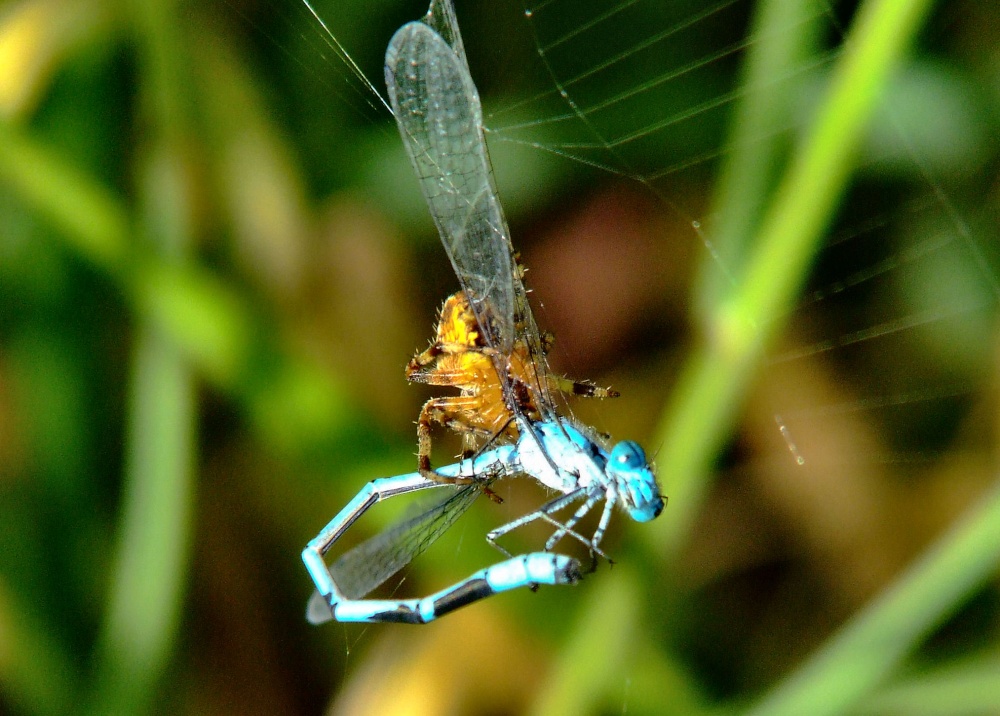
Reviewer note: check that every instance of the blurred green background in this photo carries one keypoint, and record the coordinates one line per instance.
(215, 262)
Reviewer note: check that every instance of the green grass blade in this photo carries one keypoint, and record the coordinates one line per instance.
(141, 623)
(876, 640)
(786, 33)
(969, 686)
(151, 566)
(717, 373)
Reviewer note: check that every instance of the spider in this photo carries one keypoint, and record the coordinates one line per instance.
(459, 357)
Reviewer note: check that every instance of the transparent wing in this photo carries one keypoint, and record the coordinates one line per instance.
(363, 568)
(437, 109)
(440, 119)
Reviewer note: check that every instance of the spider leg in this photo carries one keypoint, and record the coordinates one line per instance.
(445, 411)
(582, 389)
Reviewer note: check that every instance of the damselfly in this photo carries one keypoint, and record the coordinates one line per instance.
(439, 117)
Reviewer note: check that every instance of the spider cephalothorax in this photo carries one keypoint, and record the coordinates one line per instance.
(460, 358)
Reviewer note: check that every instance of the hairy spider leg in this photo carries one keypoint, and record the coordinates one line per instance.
(459, 358)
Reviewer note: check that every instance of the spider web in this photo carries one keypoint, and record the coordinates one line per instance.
(670, 98)
(667, 95)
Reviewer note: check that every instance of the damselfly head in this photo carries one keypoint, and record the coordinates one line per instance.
(636, 482)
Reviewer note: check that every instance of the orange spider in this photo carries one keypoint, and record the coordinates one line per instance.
(460, 358)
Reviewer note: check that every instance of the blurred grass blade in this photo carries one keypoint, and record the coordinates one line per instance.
(90, 217)
(198, 310)
(150, 571)
(716, 375)
(608, 650)
(874, 642)
(579, 680)
(749, 171)
(140, 629)
(970, 686)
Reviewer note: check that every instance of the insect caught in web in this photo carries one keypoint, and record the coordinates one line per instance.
(460, 357)
(489, 347)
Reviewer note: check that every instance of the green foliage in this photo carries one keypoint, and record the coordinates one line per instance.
(214, 263)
